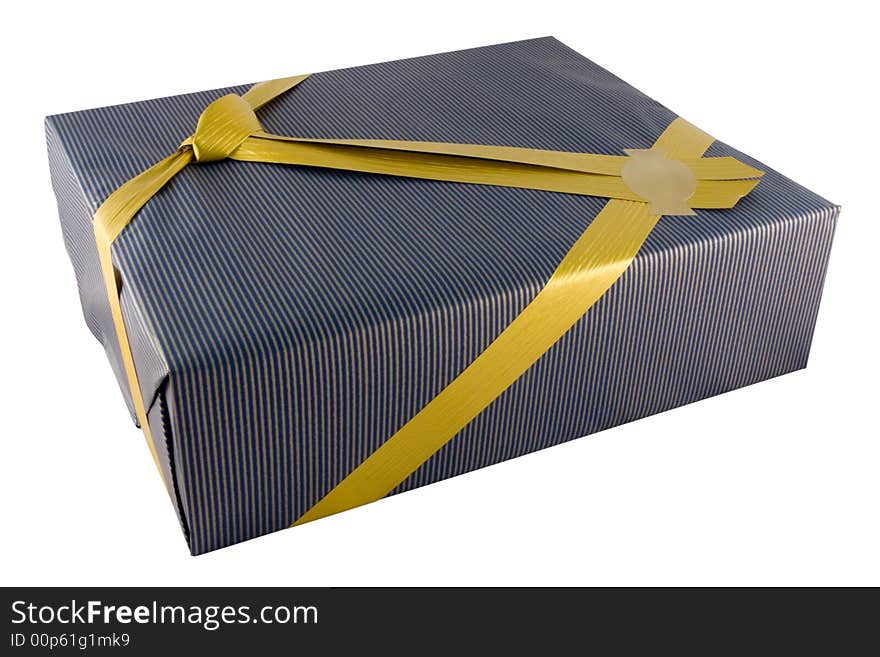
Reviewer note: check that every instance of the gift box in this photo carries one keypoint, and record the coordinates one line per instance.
(417, 277)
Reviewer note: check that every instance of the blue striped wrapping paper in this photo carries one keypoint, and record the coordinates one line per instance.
(285, 321)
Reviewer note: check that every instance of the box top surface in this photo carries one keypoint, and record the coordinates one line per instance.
(238, 259)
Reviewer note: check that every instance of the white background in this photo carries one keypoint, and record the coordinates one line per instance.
(773, 484)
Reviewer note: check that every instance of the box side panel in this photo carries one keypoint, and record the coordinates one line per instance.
(679, 326)
(76, 213)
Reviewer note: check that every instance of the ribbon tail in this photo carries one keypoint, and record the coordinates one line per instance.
(549, 171)
(429, 166)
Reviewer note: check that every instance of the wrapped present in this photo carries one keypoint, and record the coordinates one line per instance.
(319, 291)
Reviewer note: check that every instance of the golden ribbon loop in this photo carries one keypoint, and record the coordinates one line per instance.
(673, 177)
(223, 127)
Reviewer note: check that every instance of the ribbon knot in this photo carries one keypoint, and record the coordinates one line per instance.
(222, 128)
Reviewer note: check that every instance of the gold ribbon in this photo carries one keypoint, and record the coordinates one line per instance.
(670, 178)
